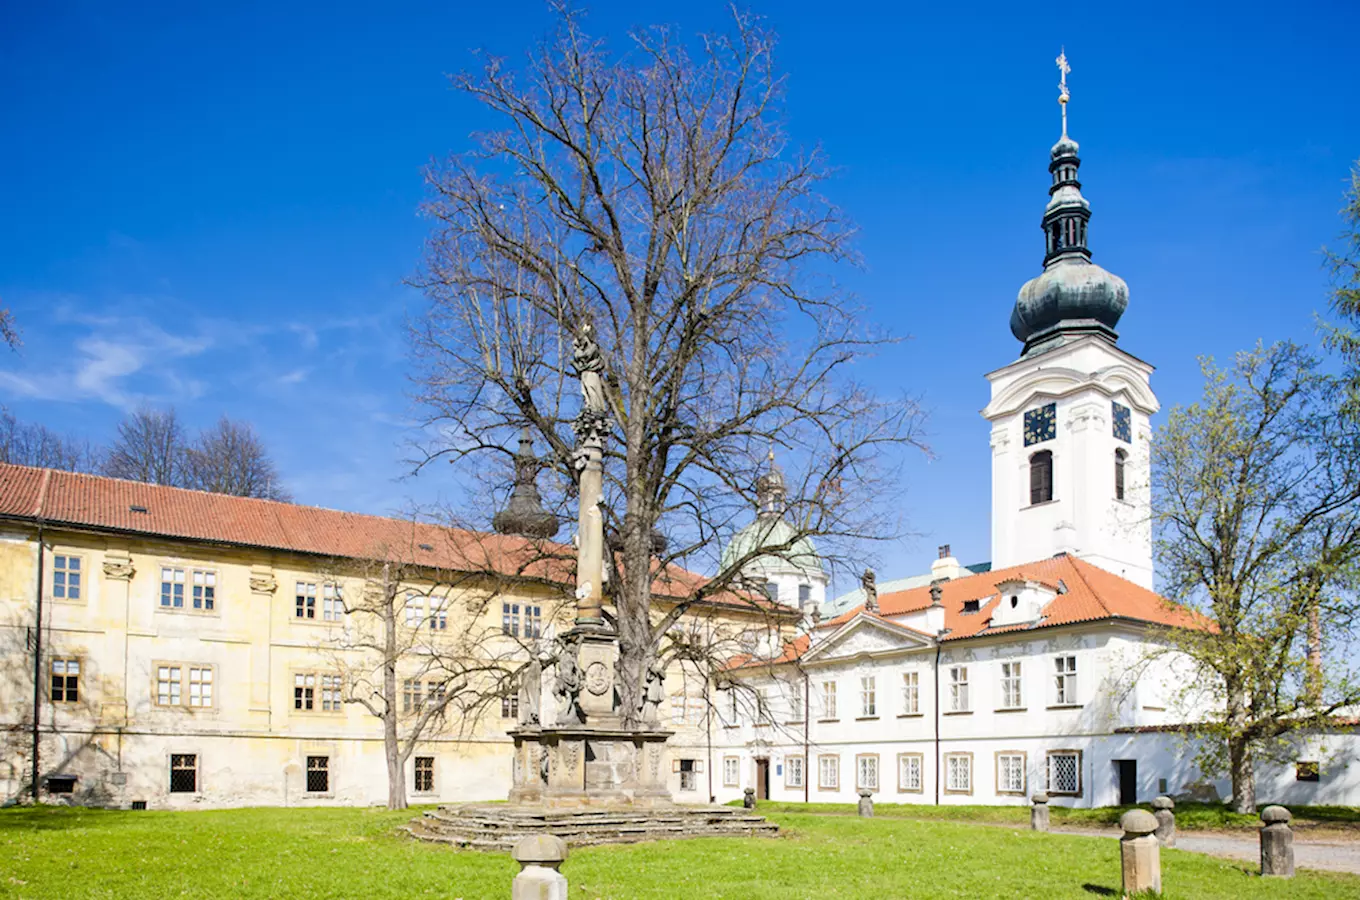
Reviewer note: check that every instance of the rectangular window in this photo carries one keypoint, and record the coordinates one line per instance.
(318, 774)
(796, 701)
(1065, 681)
(958, 769)
(1010, 685)
(183, 773)
(172, 588)
(793, 771)
(66, 578)
(1064, 772)
(168, 687)
(731, 771)
(510, 619)
(804, 596)
(828, 699)
(332, 603)
(958, 689)
(415, 609)
(762, 706)
(909, 772)
(424, 772)
(200, 687)
(205, 590)
(330, 693)
(911, 694)
(65, 680)
(1010, 773)
(866, 772)
(868, 696)
(1306, 770)
(306, 600)
(304, 691)
(435, 691)
(410, 694)
(510, 707)
(439, 616)
(828, 772)
(533, 621)
(689, 775)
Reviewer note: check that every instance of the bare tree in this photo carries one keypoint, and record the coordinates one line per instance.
(654, 196)
(1258, 514)
(229, 458)
(416, 651)
(150, 447)
(9, 331)
(30, 444)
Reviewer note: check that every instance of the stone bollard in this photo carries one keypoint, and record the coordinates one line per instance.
(1164, 809)
(748, 799)
(1140, 855)
(539, 856)
(866, 804)
(1038, 813)
(1277, 842)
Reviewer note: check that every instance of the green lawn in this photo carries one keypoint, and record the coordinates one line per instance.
(1189, 816)
(355, 853)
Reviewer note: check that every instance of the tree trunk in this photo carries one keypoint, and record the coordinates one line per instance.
(396, 784)
(1243, 775)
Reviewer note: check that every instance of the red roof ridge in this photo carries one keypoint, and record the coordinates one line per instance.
(1090, 587)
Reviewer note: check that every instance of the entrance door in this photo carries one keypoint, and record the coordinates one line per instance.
(1128, 781)
(762, 779)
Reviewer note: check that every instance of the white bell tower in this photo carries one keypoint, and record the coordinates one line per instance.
(1071, 433)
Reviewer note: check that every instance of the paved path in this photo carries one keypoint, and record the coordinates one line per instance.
(1330, 855)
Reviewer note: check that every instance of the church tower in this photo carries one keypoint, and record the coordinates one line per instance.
(1070, 418)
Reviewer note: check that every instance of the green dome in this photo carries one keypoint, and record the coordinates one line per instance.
(768, 530)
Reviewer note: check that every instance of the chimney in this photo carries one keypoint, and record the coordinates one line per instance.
(944, 551)
(946, 566)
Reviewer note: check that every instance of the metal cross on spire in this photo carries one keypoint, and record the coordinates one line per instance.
(1063, 69)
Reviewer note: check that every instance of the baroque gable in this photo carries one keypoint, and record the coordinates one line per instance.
(866, 636)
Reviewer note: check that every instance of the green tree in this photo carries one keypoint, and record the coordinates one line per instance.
(1344, 264)
(1258, 515)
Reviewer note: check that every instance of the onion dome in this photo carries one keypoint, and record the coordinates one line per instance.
(1073, 296)
(771, 530)
(524, 514)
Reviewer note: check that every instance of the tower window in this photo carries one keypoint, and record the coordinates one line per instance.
(1120, 457)
(1041, 477)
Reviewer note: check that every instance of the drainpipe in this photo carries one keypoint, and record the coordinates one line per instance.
(37, 665)
(938, 759)
(708, 737)
(807, 742)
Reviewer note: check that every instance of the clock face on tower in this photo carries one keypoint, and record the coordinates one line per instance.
(1041, 424)
(1122, 427)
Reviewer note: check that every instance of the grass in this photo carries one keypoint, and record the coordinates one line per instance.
(1189, 816)
(292, 854)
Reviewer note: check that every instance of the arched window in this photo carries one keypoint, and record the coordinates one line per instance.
(1041, 477)
(1120, 457)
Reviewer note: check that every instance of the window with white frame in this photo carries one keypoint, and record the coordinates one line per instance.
(1065, 680)
(202, 589)
(1064, 772)
(332, 603)
(793, 771)
(1010, 685)
(958, 689)
(65, 681)
(828, 699)
(172, 588)
(911, 693)
(868, 696)
(412, 694)
(1010, 773)
(67, 578)
(331, 699)
(533, 621)
(731, 771)
(314, 692)
(866, 772)
(304, 606)
(795, 701)
(204, 596)
(828, 772)
(510, 619)
(184, 685)
(958, 769)
(439, 615)
(909, 771)
(436, 691)
(510, 706)
(689, 770)
(762, 706)
(169, 690)
(415, 609)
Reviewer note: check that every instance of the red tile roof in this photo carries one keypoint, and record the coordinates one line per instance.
(111, 504)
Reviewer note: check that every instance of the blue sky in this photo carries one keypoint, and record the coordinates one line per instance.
(216, 208)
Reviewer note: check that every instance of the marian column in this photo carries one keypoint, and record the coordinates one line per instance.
(590, 428)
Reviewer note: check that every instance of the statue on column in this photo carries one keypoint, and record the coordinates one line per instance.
(653, 694)
(568, 684)
(531, 692)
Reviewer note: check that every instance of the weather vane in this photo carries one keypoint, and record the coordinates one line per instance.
(1063, 96)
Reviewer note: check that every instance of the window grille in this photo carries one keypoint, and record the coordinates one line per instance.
(318, 774)
(793, 771)
(960, 772)
(1064, 773)
(866, 772)
(424, 772)
(1010, 773)
(183, 773)
(909, 772)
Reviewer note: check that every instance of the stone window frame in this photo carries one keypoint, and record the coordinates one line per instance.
(878, 772)
(189, 570)
(65, 659)
(423, 766)
(1048, 772)
(183, 679)
(82, 572)
(1024, 772)
(317, 692)
(327, 769)
(696, 768)
(902, 787)
(731, 771)
(963, 755)
(821, 782)
(196, 768)
(789, 781)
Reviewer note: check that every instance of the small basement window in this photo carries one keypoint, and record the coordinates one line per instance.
(61, 784)
(139, 804)
(1306, 770)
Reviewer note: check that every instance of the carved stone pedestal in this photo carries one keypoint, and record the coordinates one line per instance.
(589, 767)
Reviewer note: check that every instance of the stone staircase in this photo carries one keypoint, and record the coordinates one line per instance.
(498, 827)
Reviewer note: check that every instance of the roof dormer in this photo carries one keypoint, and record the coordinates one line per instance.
(1022, 601)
